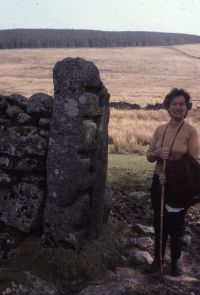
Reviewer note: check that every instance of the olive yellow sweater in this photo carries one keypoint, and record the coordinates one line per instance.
(186, 141)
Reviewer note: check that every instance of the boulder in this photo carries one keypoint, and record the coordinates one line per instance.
(17, 99)
(140, 257)
(144, 229)
(40, 105)
(13, 111)
(21, 206)
(23, 119)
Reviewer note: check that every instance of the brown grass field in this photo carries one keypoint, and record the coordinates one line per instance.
(138, 74)
(131, 131)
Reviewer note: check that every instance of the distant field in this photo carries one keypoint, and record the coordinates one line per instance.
(137, 74)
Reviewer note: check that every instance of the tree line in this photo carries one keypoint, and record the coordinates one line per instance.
(62, 38)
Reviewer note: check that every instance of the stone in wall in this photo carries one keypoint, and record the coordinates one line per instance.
(77, 154)
(23, 150)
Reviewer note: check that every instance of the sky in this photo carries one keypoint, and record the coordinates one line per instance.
(178, 16)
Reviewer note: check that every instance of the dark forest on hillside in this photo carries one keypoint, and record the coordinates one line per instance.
(63, 38)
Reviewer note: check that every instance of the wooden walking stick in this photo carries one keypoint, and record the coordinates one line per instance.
(161, 222)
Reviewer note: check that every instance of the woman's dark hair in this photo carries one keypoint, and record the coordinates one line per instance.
(177, 92)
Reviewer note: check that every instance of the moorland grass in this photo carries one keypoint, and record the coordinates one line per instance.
(130, 131)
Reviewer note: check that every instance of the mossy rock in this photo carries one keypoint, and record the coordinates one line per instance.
(66, 265)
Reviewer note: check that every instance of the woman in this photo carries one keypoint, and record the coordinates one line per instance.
(173, 139)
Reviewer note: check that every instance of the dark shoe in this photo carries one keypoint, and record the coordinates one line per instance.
(153, 267)
(177, 268)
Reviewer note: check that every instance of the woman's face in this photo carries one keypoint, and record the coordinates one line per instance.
(177, 108)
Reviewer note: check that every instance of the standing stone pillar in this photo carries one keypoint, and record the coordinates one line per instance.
(77, 154)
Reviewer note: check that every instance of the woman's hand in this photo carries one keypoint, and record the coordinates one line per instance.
(162, 178)
(163, 153)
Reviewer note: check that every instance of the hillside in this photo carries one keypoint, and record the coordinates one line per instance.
(139, 75)
(65, 38)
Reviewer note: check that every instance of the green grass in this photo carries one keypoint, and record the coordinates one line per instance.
(129, 172)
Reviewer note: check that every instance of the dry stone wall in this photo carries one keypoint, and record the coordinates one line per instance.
(24, 125)
(53, 157)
